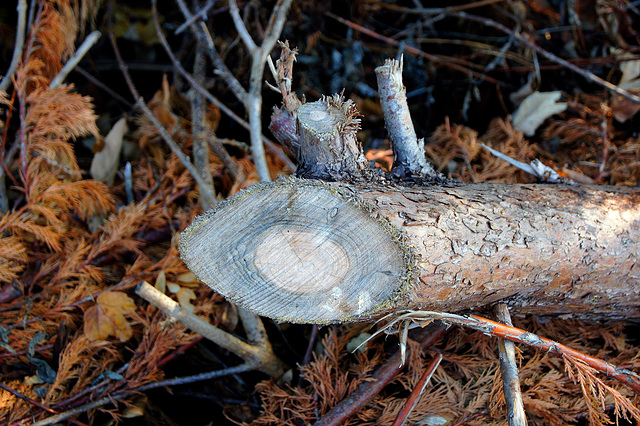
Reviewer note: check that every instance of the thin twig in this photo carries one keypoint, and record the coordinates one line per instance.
(17, 50)
(201, 14)
(117, 396)
(75, 59)
(340, 413)
(412, 400)
(4, 172)
(104, 87)
(517, 335)
(437, 10)
(216, 146)
(531, 44)
(509, 368)
(240, 27)
(258, 60)
(27, 399)
(201, 32)
(412, 50)
(204, 189)
(199, 130)
(260, 357)
(233, 84)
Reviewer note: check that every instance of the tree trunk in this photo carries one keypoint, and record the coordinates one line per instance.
(314, 252)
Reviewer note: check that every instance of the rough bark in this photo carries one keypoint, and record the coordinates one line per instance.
(408, 150)
(313, 252)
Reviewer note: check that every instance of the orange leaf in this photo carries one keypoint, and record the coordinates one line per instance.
(106, 317)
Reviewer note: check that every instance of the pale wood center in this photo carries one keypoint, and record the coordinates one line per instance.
(301, 261)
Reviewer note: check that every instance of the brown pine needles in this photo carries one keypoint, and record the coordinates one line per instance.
(67, 239)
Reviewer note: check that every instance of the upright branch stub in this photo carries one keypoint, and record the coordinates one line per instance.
(283, 120)
(407, 149)
(329, 149)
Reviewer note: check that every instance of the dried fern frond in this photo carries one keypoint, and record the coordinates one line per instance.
(13, 258)
(597, 393)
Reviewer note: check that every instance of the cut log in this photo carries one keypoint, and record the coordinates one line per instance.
(312, 252)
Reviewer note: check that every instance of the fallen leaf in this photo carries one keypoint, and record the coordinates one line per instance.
(187, 277)
(105, 163)
(107, 317)
(161, 282)
(630, 71)
(536, 108)
(185, 295)
(173, 287)
(622, 108)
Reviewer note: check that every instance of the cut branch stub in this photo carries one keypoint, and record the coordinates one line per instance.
(407, 149)
(329, 148)
(300, 252)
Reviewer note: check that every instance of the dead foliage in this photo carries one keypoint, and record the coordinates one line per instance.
(72, 248)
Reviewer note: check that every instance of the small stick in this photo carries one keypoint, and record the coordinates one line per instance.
(202, 14)
(104, 87)
(197, 86)
(259, 357)
(224, 72)
(412, 50)
(259, 55)
(241, 28)
(413, 399)
(17, 50)
(75, 59)
(27, 399)
(199, 128)
(221, 67)
(340, 413)
(204, 189)
(509, 368)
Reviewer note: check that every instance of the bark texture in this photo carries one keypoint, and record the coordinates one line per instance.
(408, 150)
(321, 253)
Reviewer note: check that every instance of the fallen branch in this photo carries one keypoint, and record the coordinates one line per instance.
(313, 252)
(259, 356)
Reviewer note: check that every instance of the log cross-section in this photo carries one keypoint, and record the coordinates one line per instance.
(299, 251)
(313, 252)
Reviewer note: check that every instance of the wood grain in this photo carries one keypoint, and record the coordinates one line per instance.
(298, 251)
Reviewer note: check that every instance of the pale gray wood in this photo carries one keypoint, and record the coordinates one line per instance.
(329, 148)
(298, 251)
